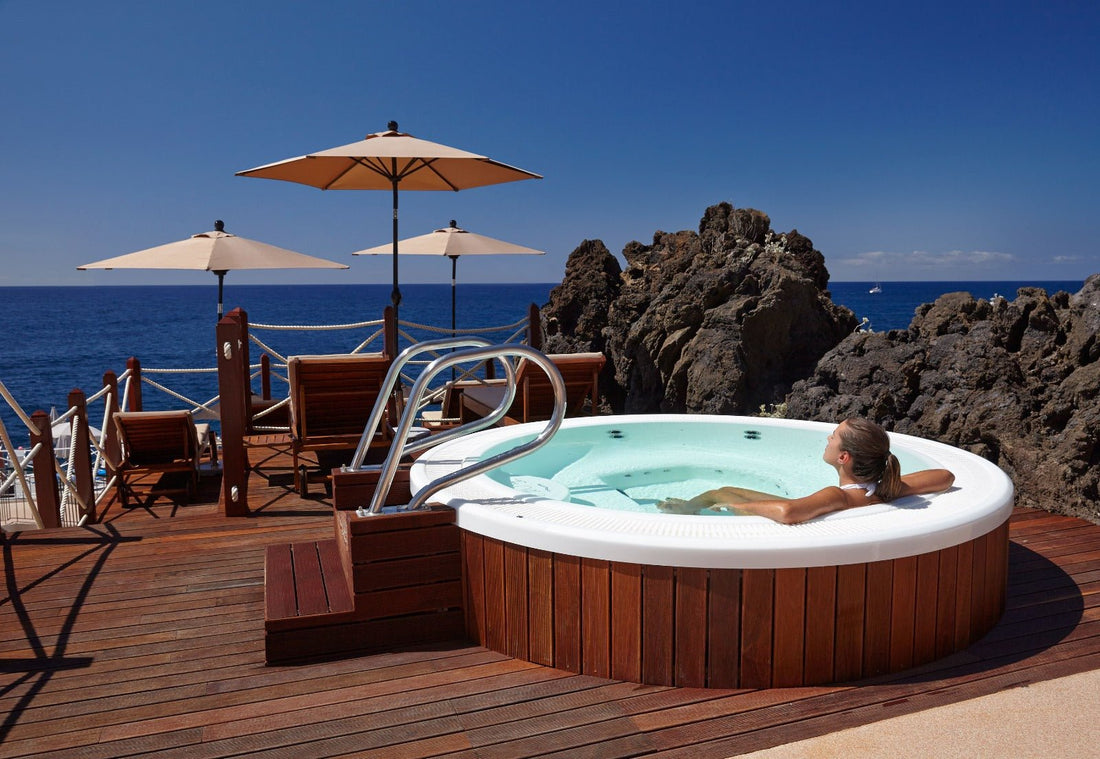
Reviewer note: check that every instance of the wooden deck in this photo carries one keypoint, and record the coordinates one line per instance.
(144, 635)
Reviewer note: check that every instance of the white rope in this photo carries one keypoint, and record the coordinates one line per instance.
(68, 490)
(315, 327)
(425, 327)
(17, 465)
(19, 410)
(64, 417)
(367, 342)
(268, 410)
(267, 348)
(210, 370)
(100, 454)
(195, 404)
(98, 394)
(106, 490)
(471, 331)
(281, 377)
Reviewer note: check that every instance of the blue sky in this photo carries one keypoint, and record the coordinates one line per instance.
(920, 141)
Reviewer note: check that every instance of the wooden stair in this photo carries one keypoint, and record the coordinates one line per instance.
(385, 582)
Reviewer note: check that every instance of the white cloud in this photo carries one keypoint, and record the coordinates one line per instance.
(923, 259)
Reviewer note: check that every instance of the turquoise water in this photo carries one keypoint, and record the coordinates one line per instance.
(633, 466)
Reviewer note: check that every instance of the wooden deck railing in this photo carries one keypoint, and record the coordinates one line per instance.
(52, 504)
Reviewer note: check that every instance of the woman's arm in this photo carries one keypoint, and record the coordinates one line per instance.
(926, 481)
(794, 510)
(832, 499)
(719, 496)
(776, 508)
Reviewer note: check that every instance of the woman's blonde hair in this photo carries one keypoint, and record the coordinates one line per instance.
(869, 446)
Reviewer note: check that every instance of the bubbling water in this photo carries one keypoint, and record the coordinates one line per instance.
(634, 467)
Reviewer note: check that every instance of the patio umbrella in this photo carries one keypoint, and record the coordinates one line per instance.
(452, 242)
(388, 161)
(216, 251)
(63, 436)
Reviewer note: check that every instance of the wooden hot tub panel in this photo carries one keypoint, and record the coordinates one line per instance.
(731, 628)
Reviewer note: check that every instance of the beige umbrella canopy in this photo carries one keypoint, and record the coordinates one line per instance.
(452, 242)
(388, 161)
(216, 251)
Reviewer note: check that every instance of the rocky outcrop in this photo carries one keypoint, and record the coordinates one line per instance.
(735, 316)
(719, 321)
(1017, 382)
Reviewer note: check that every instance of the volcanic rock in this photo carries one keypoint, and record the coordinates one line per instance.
(1017, 382)
(722, 321)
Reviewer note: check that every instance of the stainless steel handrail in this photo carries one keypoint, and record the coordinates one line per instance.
(393, 375)
(398, 448)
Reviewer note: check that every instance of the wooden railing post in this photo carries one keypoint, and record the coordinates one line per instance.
(46, 494)
(134, 366)
(112, 448)
(389, 333)
(80, 454)
(246, 369)
(234, 389)
(534, 327)
(265, 377)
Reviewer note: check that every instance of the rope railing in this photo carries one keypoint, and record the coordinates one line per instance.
(198, 408)
(19, 506)
(315, 327)
(516, 332)
(14, 405)
(267, 348)
(72, 483)
(281, 357)
(408, 332)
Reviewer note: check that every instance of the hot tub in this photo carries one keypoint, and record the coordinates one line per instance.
(567, 561)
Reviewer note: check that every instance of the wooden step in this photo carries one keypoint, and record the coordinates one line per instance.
(385, 583)
(304, 581)
(306, 594)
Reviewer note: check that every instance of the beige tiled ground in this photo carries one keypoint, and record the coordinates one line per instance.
(1053, 719)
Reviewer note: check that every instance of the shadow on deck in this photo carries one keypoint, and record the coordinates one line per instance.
(145, 634)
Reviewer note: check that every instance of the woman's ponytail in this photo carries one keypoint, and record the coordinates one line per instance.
(890, 484)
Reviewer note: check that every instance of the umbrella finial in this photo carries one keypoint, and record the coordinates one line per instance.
(219, 226)
(392, 126)
(454, 224)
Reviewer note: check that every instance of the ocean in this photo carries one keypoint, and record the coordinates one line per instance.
(59, 338)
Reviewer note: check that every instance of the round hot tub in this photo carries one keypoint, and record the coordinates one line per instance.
(568, 562)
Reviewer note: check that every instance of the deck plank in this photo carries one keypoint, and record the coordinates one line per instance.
(144, 634)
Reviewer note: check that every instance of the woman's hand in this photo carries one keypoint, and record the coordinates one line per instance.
(677, 506)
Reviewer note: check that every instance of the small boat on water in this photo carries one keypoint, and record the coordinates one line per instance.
(876, 289)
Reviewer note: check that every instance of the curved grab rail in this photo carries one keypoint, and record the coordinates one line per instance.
(389, 467)
(393, 375)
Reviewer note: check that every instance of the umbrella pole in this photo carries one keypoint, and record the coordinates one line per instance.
(221, 277)
(395, 295)
(454, 267)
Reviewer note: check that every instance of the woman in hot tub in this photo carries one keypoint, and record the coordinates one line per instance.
(868, 473)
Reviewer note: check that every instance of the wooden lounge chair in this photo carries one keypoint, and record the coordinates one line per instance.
(331, 398)
(161, 443)
(535, 395)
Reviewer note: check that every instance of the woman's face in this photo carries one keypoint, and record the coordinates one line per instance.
(832, 446)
